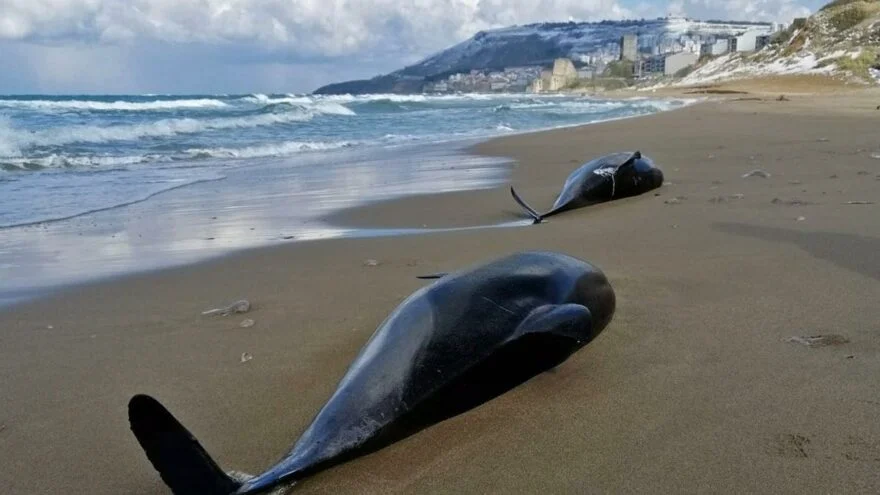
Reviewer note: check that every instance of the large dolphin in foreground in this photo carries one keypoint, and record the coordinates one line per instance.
(447, 348)
(614, 176)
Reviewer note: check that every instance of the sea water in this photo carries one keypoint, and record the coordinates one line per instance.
(101, 185)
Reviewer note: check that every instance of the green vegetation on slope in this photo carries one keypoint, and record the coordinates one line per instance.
(858, 66)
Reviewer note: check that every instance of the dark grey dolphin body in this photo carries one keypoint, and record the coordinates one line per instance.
(608, 177)
(447, 348)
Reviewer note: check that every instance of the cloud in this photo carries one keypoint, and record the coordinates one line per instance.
(169, 45)
(752, 10)
(326, 27)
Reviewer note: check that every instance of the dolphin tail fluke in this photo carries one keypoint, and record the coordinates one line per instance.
(531, 211)
(178, 457)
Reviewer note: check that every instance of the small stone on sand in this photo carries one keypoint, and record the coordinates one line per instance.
(371, 263)
(246, 323)
(756, 173)
(245, 357)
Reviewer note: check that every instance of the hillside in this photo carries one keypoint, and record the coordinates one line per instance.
(841, 40)
(531, 45)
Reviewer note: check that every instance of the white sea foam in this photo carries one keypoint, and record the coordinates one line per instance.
(269, 150)
(132, 106)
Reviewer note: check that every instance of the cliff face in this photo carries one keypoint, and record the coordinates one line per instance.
(530, 45)
(841, 40)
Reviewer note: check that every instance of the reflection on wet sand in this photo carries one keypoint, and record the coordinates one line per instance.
(258, 203)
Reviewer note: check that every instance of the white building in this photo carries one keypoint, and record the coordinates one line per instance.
(745, 42)
(677, 61)
(718, 47)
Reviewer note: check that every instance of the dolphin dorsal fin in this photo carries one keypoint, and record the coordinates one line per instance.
(631, 161)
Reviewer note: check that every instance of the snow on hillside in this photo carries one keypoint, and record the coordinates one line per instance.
(538, 43)
(735, 66)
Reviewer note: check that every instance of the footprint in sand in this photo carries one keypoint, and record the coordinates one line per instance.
(861, 449)
(789, 445)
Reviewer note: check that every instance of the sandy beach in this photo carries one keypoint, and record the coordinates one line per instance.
(693, 388)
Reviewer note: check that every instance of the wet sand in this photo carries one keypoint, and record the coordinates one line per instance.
(693, 387)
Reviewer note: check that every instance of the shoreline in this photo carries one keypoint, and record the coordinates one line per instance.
(694, 385)
(325, 225)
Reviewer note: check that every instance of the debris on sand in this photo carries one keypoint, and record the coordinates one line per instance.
(790, 202)
(242, 306)
(246, 323)
(819, 340)
(724, 199)
(859, 202)
(371, 263)
(674, 201)
(245, 357)
(782, 98)
(801, 219)
(756, 173)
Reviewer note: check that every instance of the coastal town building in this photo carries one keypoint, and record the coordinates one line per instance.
(714, 48)
(629, 47)
(744, 42)
(667, 64)
(762, 41)
(562, 75)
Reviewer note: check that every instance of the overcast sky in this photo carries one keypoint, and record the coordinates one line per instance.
(245, 46)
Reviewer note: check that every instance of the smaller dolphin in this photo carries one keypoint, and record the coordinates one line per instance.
(618, 175)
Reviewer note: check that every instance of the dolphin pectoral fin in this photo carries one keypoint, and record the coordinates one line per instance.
(572, 321)
(531, 211)
(178, 457)
(432, 276)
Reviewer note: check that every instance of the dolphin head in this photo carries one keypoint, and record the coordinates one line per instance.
(654, 179)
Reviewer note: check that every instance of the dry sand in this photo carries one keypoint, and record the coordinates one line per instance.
(692, 387)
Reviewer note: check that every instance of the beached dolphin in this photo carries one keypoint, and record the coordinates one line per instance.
(614, 176)
(450, 346)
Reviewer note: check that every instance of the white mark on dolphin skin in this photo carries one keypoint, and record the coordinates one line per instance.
(498, 305)
(607, 172)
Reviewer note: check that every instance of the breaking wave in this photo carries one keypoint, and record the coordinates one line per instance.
(13, 141)
(89, 161)
(103, 106)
